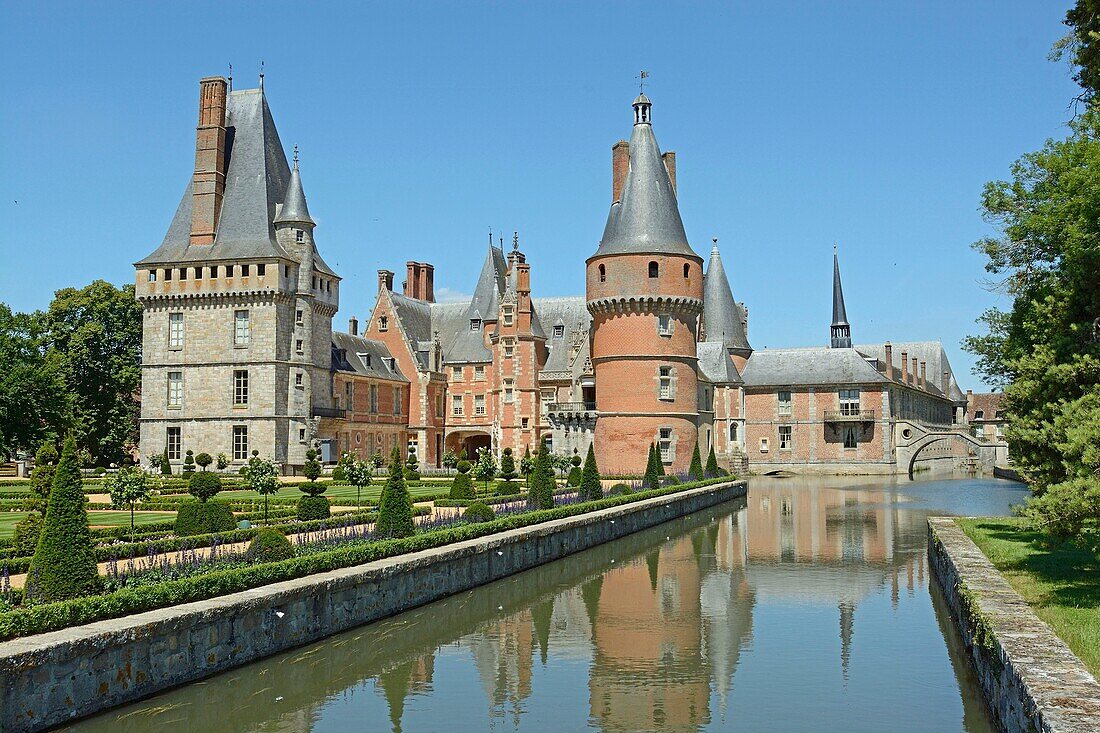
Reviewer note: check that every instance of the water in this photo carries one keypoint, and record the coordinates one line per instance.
(805, 606)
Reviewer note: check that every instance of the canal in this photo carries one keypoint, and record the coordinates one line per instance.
(805, 606)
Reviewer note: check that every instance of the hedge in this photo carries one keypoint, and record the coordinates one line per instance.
(53, 616)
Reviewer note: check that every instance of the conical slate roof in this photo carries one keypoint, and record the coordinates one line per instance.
(840, 316)
(647, 219)
(294, 210)
(721, 315)
(468, 345)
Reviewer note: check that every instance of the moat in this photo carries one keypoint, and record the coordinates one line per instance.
(804, 606)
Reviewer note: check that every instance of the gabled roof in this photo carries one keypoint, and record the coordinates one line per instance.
(809, 367)
(722, 317)
(363, 356)
(467, 345)
(930, 352)
(988, 403)
(647, 219)
(572, 315)
(715, 363)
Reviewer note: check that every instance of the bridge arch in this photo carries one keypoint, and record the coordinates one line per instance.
(912, 439)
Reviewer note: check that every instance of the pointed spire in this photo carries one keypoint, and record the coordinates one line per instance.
(294, 202)
(722, 316)
(646, 219)
(840, 332)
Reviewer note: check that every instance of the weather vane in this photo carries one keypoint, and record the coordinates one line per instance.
(642, 76)
(295, 155)
(515, 241)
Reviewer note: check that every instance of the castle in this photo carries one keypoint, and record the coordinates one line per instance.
(239, 352)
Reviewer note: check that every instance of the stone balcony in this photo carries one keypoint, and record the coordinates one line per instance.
(849, 415)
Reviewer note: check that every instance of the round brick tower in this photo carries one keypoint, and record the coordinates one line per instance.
(645, 293)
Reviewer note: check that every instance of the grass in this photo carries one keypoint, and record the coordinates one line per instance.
(109, 518)
(338, 495)
(1062, 584)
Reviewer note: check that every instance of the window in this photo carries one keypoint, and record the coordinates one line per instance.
(299, 315)
(286, 271)
(506, 313)
(374, 398)
(687, 270)
(456, 404)
(245, 270)
(173, 443)
(733, 432)
(664, 443)
(475, 324)
(349, 395)
(298, 346)
(298, 379)
(979, 414)
(175, 389)
(456, 373)
(525, 422)
(396, 400)
(183, 273)
(152, 276)
(763, 445)
(228, 270)
(664, 325)
(301, 435)
(240, 387)
(479, 373)
(391, 363)
(168, 274)
(439, 405)
(509, 394)
(175, 330)
(261, 269)
(851, 439)
(479, 404)
(547, 400)
(849, 402)
(559, 331)
(664, 382)
(786, 439)
(603, 274)
(242, 330)
(784, 403)
(509, 349)
(299, 235)
(654, 270)
(240, 442)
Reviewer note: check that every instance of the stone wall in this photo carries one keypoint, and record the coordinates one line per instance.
(55, 677)
(1030, 678)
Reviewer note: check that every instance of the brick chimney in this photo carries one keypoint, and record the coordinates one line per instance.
(923, 378)
(385, 280)
(904, 366)
(208, 184)
(670, 165)
(412, 279)
(427, 282)
(620, 164)
(353, 326)
(914, 370)
(889, 360)
(946, 380)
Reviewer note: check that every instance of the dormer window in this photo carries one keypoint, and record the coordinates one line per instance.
(654, 270)
(391, 363)
(979, 414)
(475, 324)
(559, 331)
(299, 235)
(383, 323)
(366, 358)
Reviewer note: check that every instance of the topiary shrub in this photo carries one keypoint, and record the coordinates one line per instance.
(64, 563)
(711, 469)
(27, 532)
(338, 475)
(479, 511)
(395, 504)
(165, 464)
(590, 488)
(188, 463)
(620, 490)
(671, 481)
(313, 507)
(100, 471)
(695, 472)
(204, 460)
(574, 477)
(270, 545)
(462, 487)
(204, 517)
(204, 485)
(652, 479)
(541, 493)
(412, 468)
(507, 488)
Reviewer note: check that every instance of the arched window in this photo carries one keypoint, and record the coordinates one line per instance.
(653, 270)
(687, 270)
(733, 432)
(603, 274)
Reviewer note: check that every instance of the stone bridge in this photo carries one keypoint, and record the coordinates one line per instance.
(910, 438)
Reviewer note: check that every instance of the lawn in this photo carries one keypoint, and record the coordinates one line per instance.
(340, 495)
(1062, 585)
(107, 518)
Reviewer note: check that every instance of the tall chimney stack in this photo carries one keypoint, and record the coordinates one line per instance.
(208, 184)
(353, 326)
(412, 279)
(946, 380)
(914, 370)
(904, 366)
(385, 280)
(923, 375)
(620, 165)
(889, 360)
(670, 165)
(427, 282)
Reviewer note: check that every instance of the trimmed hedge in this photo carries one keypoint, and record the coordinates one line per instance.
(479, 511)
(49, 617)
(270, 545)
(312, 507)
(204, 517)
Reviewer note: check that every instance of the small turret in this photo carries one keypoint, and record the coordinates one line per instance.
(840, 332)
(294, 209)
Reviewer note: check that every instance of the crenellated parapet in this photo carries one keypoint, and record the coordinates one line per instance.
(681, 306)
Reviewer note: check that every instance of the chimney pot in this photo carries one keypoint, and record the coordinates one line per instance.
(353, 326)
(889, 360)
(923, 375)
(385, 280)
(904, 367)
(914, 370)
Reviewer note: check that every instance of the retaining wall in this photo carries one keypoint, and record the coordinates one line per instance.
(1030, 678)
(51, 678)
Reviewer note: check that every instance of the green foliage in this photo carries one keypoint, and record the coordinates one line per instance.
(696, 468)
(64, 563)
(620, 490)
(45, 465)
(165, 464)
(222, 461)
(560, 462)
(711, 469)
(357, 473)
(462, 487)
(262, 476)
(526, 464)
(574, 477)
(204, 485)
(204, 460)
(377, 460)
(312, 507)
(395, 516)
(479, 511)
(412, 464)
(128, 487)
(35, 403)
(450, 459)
(311, 470)
(203, 517)
(270, 545)
(652, 478)
(507, 465)
(673, 480)
(27, 533)
(188, 463)
(1083, 46)
(590, 487)
(540, 495)
(464, 466)
(486, 469)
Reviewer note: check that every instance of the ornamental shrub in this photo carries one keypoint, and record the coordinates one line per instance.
(696, 469)
(479, 511)
(188, 463)
(204, 517)
(45, 465)
(165, 464)
(222, 462)
(711, 469)
(671, 480)
(412, 466)
(270, 545)
(652, 478)
(27, 533)
(313, 507)
(462, 487)
(204, 485)
(574, 478)
(64, 563)
(395, 518)
(204, 460)
(464, 466)
(338, 475)
(311, 469)
(620, 490)
(507, 465)
(590, 488)
(527, 465)
(486, 468)
(541, 493)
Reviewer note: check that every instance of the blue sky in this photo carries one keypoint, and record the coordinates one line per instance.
(422, 125)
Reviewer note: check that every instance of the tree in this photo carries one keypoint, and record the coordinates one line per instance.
(541, 493)
(590, 487)
(507, 470)
(450, 460)
(486, 469)
(575, 472)
(222, 461)
(262, 476)
(188, 463)
(95, 333)
(127, 487)
(462, 487)
(377, 460)
(204, 485)
(1082, 45)
(45, 466)
(395, 518)
(695, 471)
(204, 460)
(35, 404)
(527, 465)
(165, 464)
(711, 470)
(63, 565)
(358, 474)
(652, 478)
(412, 467)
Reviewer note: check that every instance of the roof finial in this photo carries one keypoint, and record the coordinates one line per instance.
(295, 156)
(515, 241)
(230, 76)
(642, 76)
(714, 245)
(261, 74)
(490, 237)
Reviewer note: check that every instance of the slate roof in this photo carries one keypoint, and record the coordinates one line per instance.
(257, 177)
(840, 315)
(294, 207)
(989, 403)
(647, 219)
(809, 367)
(572, 314)
(715, 363)
(722, 316)
(415, 315)
(931, 352)
(352, 353)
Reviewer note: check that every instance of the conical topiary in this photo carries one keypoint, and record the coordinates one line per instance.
(541, 493)
(590, 488)
(462, 487)
(711, 470)
(395, 518)
(695, 472)
(64, 563)
(652, 478)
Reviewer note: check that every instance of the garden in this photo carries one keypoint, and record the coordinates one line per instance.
(172, 539)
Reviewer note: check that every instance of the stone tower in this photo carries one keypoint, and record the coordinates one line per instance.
(644, 289)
